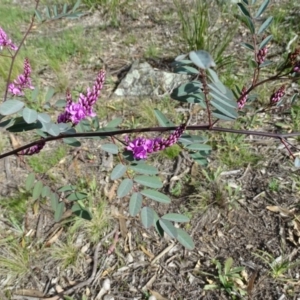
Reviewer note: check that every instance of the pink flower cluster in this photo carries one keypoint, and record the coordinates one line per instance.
(243, 98)
(141, 147)
(22, 82)
(276, 97)
(261, 55)
(76, 111)
(5, 41)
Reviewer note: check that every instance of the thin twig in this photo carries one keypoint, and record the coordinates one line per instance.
(152, 129)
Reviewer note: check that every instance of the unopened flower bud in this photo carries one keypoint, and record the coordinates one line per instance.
(276, 96)
(243, 98)
(34, 149)
(261, 55)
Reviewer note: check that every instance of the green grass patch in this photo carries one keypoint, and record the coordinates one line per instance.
(234, 152)
(45, 160)
(15, 208)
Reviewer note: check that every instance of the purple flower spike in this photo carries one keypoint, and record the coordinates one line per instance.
(261, 55)
(141, 146)
(243, 98)
(5, 41)
(34, 149)
(22, 82)
(276, 97)
(75, 112)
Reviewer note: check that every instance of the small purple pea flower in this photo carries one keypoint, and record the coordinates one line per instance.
(77, 111)
(22, 82)
(5, 41)
(141, 147)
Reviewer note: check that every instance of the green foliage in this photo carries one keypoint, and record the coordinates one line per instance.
(278, 266)
(198, 32)
(137, 180)
(228, 279)
(15, 208)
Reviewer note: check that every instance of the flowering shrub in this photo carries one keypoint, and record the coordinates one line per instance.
(220, 103)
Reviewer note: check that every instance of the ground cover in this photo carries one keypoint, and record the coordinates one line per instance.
(243, 205)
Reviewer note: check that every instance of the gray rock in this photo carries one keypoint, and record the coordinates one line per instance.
(143, 80)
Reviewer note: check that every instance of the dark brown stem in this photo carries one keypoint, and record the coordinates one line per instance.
(287, 147)
(203, 127)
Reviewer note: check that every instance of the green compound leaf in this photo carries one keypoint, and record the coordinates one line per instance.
(135, 204)
(156, 196)
(46, 192)
(29, 181)
(59, 210)
(118, 171)
(114, 123)
(60, 103)
(125, 187)
(176, 218)
(110, 148)
(168, 228)
(247, 22)
(29, 115)
(262, 8)
(37, 190)
(10, 107)
(72, 142)
(186, 70)
(244, 10)
(199, 147)
(54, 130)
(162, 120)
(66, 188)
(265, 41)
(143, 168)
(49, 94)
(81, 212)
(222, 116)
(199, 158)
(265, 25)
(247, 46)
(76, 196)
(184, 239)
(147, 216)
(63, 127)
(54, 200)
(224, 109)
(149, 181)
(190, 139)
(202, 59)
(44, 118)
